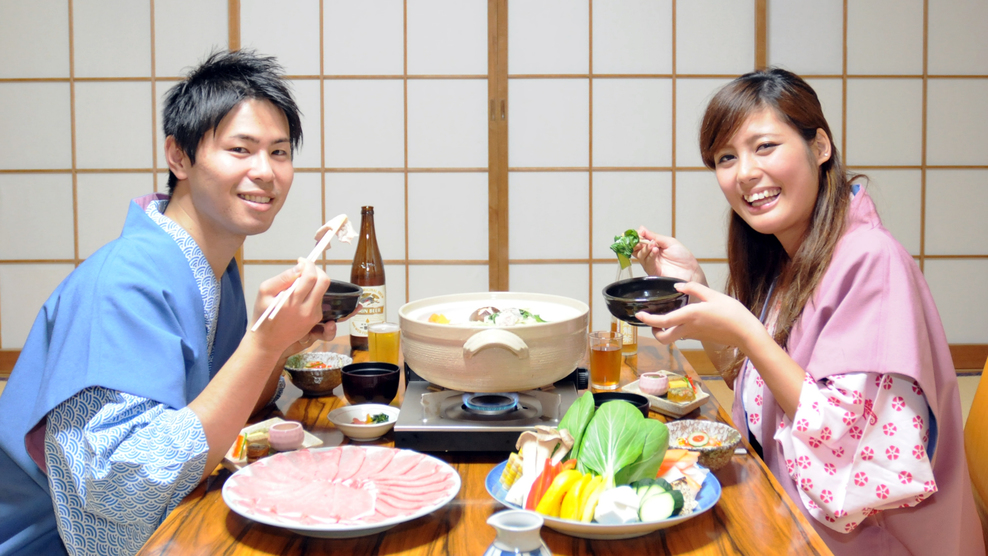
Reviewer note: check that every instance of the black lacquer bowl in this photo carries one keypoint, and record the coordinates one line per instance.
(652, 294)
(370, 382)
(640, 402)
(340, 300)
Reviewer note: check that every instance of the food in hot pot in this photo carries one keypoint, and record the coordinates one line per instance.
(492, 316)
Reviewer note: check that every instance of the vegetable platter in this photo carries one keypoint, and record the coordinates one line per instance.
(706, 499)
(597, 475)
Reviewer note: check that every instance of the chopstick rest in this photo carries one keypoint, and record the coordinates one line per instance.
(339, 226)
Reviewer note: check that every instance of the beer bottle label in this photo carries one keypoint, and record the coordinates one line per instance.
(371, 312)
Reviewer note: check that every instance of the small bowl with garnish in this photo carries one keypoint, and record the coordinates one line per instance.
(317, 373)
(714, 441)
(656, 295)
(364, 422)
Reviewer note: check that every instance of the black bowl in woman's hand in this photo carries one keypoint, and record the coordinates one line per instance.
(656, 295)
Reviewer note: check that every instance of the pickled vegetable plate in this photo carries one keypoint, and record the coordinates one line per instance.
(708, 496)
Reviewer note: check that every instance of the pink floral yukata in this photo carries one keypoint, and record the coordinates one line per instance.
(875, 451)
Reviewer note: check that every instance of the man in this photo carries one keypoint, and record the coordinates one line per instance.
(138, 374)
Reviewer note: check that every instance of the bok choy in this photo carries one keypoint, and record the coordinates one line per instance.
(619, 436)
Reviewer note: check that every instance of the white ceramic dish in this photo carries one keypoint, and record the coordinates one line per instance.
(663, 405)
(306, 525)
(343, 418)
(235, 464)
(708, 496)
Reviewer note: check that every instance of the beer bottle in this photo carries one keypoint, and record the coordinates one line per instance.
(367, 272)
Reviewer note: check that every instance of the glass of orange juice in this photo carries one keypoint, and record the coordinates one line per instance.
(384, 340)
(605, 360)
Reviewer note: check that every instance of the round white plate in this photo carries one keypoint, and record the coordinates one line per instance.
(708, 496)
(358, 527)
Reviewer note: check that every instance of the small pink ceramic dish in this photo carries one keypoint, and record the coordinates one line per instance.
(654, 384)
(286, 436)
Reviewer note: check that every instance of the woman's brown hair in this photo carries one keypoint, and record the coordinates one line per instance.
(757, 261)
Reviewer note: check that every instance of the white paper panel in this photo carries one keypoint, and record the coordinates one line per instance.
(549, 212)
(628, 200)
(549, 122)
(292, 234)
(806, 37)
(701, 214)
(956, 205)
(884, 40)
(287, 30)
(692, 97)
(103, 201)
(112, 38)
(447, 37)
(548, 36)
(447, 216)
(957, 38)
(430, 281)
(632, 122)
(963, 306)
(567, 280)
(365, 124)
(117, 114)
(34, 37)
(24, 289)
(898, 196)
(447, 123)
(956, 116)
(346, 193)
(884, 121)
(187, 31)
(831, 95)
(307, 97)
(715, 36)
(363, 38)
(36, 130)
(634, 36)
(36, 217)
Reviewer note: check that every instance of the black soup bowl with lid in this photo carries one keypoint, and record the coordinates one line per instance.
(370, 382)
(653, 294)
(340, 300)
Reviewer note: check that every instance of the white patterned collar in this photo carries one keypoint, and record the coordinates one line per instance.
(209, 287)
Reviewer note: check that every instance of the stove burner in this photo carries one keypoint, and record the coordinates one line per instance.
(490, 404)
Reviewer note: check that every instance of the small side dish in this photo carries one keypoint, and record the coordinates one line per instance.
(681, 396)
(258, 436)
(714, 442)
(352, 420)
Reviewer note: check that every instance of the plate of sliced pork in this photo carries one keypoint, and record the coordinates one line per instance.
(341, 492)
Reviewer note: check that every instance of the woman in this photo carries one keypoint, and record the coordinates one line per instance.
(841, 370)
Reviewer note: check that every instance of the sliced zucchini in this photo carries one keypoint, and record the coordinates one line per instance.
(661, 506)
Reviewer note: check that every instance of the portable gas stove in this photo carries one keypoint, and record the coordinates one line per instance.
(433, 419)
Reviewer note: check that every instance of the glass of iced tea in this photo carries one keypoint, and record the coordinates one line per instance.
(384, 340)
(605, 360)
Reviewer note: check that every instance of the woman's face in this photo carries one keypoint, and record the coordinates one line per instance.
(770, 176)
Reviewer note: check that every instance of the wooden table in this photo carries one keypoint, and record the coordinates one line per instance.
(753, 516)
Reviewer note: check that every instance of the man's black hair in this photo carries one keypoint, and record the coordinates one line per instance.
(218, 85)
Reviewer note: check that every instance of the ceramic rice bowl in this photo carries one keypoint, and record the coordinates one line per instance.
(476, 358)
(711, 457)
(314, 382)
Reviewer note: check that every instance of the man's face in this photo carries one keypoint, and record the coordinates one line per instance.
(242, 174)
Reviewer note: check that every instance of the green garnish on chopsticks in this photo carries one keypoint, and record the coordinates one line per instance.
(624, 246)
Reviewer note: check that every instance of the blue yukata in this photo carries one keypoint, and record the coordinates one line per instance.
(97, 444)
